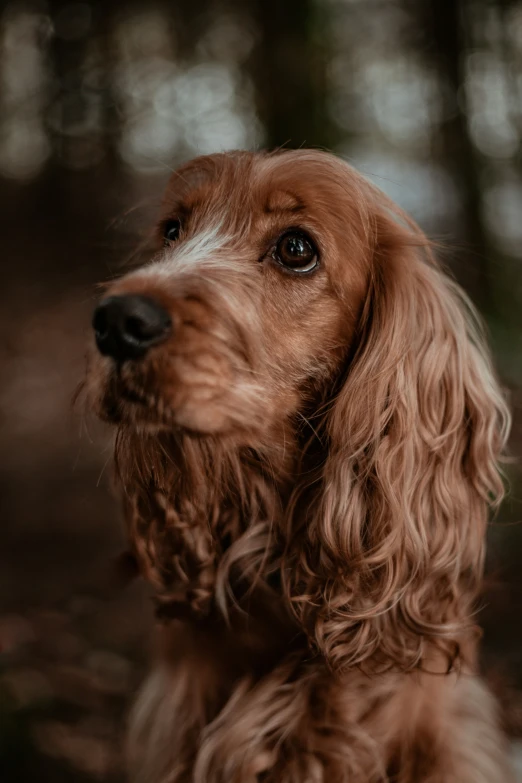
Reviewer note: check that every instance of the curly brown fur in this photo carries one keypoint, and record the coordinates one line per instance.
(306, 466)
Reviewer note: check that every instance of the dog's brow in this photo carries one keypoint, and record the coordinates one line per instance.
(282, 201)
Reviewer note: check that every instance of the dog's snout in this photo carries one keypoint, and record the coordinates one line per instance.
(127, 326)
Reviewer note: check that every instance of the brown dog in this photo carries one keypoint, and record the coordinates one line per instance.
(308, 429)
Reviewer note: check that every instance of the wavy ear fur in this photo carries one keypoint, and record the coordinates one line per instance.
(395, 541)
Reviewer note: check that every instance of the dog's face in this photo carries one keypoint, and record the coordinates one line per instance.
(249, 304)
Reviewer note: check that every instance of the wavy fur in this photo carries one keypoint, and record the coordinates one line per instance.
(393, 553)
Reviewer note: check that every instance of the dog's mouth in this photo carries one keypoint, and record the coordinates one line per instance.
(126, 400)
(165, 395)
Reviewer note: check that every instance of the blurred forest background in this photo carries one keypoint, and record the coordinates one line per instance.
(98, 100)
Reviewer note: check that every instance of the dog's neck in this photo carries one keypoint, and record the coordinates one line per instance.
(203, 517)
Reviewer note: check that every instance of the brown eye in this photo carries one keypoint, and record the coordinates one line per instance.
(296, 252)
(171, 230)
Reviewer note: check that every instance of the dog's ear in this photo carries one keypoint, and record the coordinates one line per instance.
(393, 549)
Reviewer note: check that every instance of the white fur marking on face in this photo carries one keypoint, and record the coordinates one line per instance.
(205, 250)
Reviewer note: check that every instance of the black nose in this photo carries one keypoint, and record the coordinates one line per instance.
(127, 326)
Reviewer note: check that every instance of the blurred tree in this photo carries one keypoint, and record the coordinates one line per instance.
(68, 110)
(444, 36)
(289, 67)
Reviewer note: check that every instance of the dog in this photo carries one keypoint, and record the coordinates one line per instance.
(308, 431)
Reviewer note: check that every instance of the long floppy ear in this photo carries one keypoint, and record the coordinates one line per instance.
(394, 543)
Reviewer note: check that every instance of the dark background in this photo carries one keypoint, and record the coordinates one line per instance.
(98, 100)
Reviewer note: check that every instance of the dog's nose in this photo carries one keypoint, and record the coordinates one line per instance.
(127, 326)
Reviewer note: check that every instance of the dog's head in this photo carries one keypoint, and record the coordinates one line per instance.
(250, 302)
(284, 287)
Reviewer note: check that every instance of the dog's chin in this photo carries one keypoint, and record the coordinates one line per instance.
(134, 415)
(149, 414)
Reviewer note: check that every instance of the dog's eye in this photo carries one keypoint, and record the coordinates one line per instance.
(171, 230)
(297, 252)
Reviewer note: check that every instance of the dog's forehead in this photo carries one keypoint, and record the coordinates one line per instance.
(211, 180)
(229, 184)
